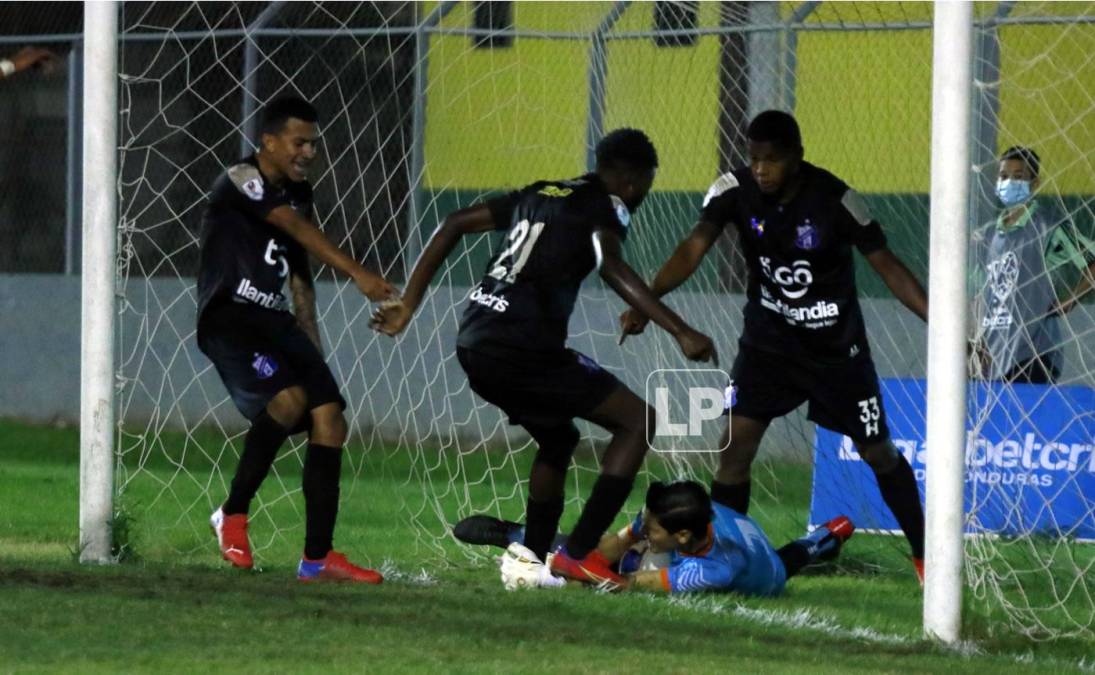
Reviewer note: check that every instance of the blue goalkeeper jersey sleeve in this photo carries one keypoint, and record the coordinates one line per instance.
(740, 558)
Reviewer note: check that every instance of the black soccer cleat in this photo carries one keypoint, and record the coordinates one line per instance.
(487, 531)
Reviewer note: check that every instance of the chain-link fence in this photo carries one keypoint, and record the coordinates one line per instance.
(36, 138)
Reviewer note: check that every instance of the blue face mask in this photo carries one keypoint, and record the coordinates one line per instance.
(1013, 192)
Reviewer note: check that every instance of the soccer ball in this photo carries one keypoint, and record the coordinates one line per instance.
(639, 558)
(521, 568)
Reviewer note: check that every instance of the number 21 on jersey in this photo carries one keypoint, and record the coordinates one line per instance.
(512, 260)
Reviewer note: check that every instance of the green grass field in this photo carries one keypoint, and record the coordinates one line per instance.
(173, 606)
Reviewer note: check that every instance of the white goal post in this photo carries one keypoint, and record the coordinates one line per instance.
(100, 209)
(952, 37)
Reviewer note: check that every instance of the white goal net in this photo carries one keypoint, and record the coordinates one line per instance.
(426, 107)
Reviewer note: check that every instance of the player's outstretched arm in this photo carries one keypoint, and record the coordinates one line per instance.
(315, 242)
(676, 270)
(392, 317)
(614, 545)
(618, 274)
(27, 57)
(900, 281)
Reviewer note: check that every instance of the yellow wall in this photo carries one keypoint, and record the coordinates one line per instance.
(1048, 102)
(510, 116)
(863, 101)
(672, 93)
(505, 117)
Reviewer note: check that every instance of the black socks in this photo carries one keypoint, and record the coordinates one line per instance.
(260, 447)
(735, 496)
(608, 497)
(795, 556)
(322, 469)
(899, 490)
(541, 521)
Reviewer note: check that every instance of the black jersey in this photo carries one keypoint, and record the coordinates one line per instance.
(802, 298)
(524, 302)
(244, 258)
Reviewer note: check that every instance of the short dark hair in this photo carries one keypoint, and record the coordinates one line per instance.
(1024, 155)
(277, 113)
(775, 127)
(628, 149)
(684, 505)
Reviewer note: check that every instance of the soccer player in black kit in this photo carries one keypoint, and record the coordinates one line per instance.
(804, 337)
(258, 231)
(511, 342)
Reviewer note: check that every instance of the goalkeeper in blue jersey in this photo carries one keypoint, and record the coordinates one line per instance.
(681, 542)
(714, 548)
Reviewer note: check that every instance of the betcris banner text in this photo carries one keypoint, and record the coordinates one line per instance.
(1030, 460)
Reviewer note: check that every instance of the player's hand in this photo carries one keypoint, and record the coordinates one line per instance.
(697, 347)
(374, 287)
(632, 322)
(28, 57)
(391, 317)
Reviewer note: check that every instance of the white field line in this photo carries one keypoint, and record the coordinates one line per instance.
(796, 619)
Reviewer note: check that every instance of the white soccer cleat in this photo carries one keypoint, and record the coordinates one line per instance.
(521, 568)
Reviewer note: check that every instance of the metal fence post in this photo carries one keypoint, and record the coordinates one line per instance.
(801, 13)
(598, 72)
(73, 157)
(250, 76)
(986, 115)
(414, 242)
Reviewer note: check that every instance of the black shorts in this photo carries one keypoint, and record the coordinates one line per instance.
(540, 391)
(260, 352)
(844, 397)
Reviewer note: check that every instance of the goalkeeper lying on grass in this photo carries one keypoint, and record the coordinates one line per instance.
(709, 547)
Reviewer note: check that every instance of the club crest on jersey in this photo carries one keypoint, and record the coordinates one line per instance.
(253, 189)
(757, 226)
(264, 366)
(249, 181)
(806, 236)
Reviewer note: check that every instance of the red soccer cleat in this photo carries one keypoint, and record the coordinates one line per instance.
(918, 565)
(593, 569)
(232, 538)
(335, 567)
(841, 527)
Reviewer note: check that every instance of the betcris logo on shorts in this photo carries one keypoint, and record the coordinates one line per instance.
(793, 282)
(1029, 460)
(498, 303)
